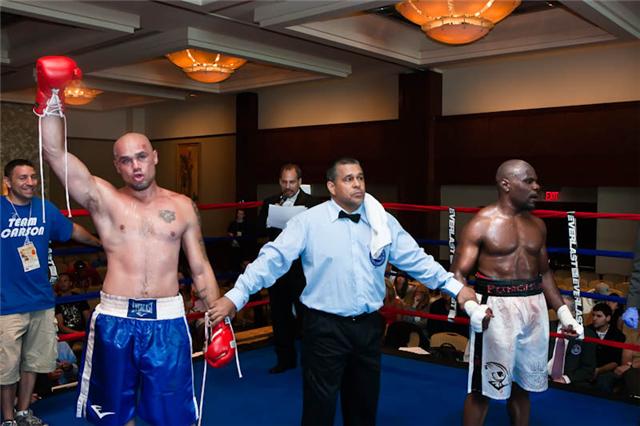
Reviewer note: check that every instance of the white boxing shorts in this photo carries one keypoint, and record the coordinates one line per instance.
(514, 348)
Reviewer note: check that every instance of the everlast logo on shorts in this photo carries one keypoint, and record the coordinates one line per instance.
(142, 309)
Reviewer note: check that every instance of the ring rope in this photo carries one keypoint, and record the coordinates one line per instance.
(461, 320)
(415, 207)
(388, 312)
(67, 251)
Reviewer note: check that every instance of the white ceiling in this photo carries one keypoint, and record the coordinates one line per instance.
(120, 45)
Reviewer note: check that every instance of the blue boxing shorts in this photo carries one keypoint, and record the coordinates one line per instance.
(137, 362)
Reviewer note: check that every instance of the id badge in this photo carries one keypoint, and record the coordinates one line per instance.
(29, 257)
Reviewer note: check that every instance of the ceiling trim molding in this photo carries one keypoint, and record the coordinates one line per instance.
(612, 16)
(76, 13)
(261, 52)
(293, 13)
(143, 90)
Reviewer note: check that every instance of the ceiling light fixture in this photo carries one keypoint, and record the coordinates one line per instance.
(456, 21)
(205, 67)
(76, 93)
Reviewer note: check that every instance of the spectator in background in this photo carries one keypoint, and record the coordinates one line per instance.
(628, 372)
(607, 358)
(440, 304)
(630, 316)
(420, 303)
(84, 276)
(66, 371)
(72, 316)
(66, 365)
(284, 295)
(243, 242)
(571, 361)
(616, 309)
(401, 286)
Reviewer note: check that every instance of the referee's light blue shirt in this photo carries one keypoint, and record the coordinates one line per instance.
(342, 277)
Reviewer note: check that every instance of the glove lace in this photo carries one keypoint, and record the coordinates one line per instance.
(207, 329)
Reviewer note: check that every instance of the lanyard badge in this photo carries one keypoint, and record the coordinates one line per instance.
(29, 256)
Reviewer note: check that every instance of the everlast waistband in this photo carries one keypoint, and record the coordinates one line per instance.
(508, 288)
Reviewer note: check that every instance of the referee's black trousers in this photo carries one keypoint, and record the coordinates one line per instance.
(341, 355)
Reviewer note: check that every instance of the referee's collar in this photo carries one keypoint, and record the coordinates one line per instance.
(334, 210)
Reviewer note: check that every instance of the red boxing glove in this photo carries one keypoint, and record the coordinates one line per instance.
(222, 348)
(53, 74)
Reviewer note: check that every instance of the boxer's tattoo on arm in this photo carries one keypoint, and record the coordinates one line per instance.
(200, 240)
(201, 293)
(167, 215)
(195, 209)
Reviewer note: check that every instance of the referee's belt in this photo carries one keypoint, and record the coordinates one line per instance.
(508, 288)
(354, 318)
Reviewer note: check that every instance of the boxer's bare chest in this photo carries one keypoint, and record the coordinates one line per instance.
(513, 236)
(159, 222)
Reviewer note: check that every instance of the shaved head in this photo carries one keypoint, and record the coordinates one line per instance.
(131, 138)
(511, 168)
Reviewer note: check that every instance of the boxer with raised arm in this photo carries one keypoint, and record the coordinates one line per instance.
(505, 244)
(138, 354)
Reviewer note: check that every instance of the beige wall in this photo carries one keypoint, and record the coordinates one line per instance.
(361, 97)
(579, 76)
(200, 116)
(98, 125)
(617, 234)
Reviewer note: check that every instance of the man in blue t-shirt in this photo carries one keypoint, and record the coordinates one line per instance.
(28, 341)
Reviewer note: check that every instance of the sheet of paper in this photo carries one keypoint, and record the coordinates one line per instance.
(279, 216)
(415, 350)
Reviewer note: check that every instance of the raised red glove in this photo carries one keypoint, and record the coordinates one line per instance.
(53, 74)
(222, 348)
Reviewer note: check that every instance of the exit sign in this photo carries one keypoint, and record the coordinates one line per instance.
(551, 195)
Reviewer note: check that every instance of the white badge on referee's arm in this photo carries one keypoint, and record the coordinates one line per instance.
(29, 256)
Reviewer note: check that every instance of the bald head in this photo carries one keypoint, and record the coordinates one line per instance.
(130, 140)
(511, 168)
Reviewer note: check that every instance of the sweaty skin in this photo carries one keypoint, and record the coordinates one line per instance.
(141, 225)
(505, 241)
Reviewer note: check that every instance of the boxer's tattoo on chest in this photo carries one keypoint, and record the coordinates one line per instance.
(168, 215)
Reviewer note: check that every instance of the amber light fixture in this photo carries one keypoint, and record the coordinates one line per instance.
(206, 67)
(456, 21)
(76, 93)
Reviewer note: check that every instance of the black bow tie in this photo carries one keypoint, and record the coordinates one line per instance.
(355, 218)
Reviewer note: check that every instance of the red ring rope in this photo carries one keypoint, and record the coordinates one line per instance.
(459, 320)
(415, 207)
(387, 312)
